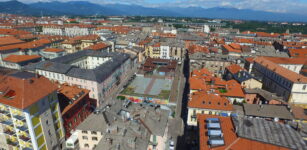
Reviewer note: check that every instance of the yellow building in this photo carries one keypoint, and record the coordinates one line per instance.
(30, 117)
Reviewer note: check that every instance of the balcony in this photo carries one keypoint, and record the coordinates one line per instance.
(6, 122)
(9, 132)
(23, 135)
(12, 141)
(21, 125)
(18, 115)
(3, 111)
(24, 138)
(22, 128)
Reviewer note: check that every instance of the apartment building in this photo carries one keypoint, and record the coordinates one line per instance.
(99, 72)
(281, 79)
(126, 125)
(79, 43)
(170, 49)
(53, 29)
(30, 117)
(207, 103)
(18, 61)
(50, 53)
(204, 81)
(78, 29)
(75, 106)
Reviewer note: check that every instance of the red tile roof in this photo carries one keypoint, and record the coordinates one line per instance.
(198, 48)
(203, 100)
(98, 46)
(298, 52)
(9, 40)
(24, 92)
(234, 68)
(55, 50)
(72, 92)
(282, 60)
(203, 80)
(233, 47)
(288, 74)
(20, 58)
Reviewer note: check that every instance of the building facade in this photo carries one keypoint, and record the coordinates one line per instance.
(30, 116)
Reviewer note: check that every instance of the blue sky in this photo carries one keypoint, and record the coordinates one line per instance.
(283, 6)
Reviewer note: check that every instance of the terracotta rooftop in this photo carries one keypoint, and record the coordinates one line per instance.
(234, 68)
(298, 52)
(198, 48)
(288, 74)
(202, 80)
(55, 50)
(299, 113)
(231, 140)
(20, 58)
(233, 47)
(98, 46)
(205, 100)
(73, 93)
(283, 60)
(22, 89)
(9, 40)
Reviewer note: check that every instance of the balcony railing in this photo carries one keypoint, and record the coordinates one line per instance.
(3, 111)
(22, 128)
(6, 122)
(9, 132)
(20, 117)
(12, 142)
(24, 138)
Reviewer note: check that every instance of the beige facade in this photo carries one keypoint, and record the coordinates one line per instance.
(251, 84)
(88, 139)
(192, 114)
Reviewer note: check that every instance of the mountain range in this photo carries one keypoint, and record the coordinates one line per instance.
(84, 8)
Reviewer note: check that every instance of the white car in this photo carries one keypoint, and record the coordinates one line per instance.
(171, 145)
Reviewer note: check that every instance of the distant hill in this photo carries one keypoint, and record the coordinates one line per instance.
(76, 8)
(233, 13)
(87, 8)
(16, 7)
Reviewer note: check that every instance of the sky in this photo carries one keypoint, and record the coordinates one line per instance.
(282, 6)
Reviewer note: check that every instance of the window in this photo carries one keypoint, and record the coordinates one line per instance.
(85, 132)
(49, 132)
(84, 137)
(194, 112)
(304, 87)
(94, 132)
(94, 138)
(86, 145)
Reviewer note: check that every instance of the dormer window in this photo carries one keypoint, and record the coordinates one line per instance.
(10, 94)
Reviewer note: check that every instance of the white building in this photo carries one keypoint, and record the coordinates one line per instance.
(165, 51)
(98, 72)
(282, 80)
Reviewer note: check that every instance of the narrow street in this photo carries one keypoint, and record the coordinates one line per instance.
(182, 143)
